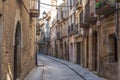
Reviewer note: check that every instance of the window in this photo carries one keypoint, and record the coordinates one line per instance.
(87, 10)
(113, 53)
(81, 17)
(71, 2)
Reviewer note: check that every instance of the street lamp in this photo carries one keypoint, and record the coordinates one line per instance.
(44, 14)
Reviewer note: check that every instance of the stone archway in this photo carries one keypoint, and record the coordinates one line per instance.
(95, 51)
(17, 52)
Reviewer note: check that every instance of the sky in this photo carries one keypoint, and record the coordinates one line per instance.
(46, 8)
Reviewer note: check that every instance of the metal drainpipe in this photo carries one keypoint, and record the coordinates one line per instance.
(36, 45)
(117, 32)
(117, 22)
(1, 35)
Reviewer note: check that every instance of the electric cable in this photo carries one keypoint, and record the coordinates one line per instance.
(54, 5)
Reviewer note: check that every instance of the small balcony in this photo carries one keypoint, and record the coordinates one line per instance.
(71, 29)
(79, 5)
(34, 8)
(105, 7)
(91, 19)
(84, 25)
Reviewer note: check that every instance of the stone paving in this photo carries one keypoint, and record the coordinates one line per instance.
(79, 69)
(50, 68)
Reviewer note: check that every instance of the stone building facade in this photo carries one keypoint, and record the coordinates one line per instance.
(100, 41)
(61, 30)
(53, 31)
(17, 37)
(92, 36)
(44, 33)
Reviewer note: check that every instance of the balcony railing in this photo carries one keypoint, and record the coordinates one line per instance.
(34, 8)
(71, 29)
(90, 14)
(78, 4)
(84, 25)
(105, 7)
(91, 19)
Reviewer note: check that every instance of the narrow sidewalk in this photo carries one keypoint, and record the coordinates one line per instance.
(86, 74)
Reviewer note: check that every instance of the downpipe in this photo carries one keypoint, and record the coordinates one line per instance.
(117, 22)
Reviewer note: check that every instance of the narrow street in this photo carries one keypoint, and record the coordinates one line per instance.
(50, 68)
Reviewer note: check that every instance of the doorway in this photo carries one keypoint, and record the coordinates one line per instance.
(87, 52)
(79, 53)
(17, 60)
(95, 49)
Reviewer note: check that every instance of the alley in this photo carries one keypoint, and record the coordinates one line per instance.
(50, 68)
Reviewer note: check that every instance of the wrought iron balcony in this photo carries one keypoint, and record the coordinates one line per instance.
(34, 8)
(84, 25)
(105, 7)
(91, 19)
(79, 5)
(71, 29)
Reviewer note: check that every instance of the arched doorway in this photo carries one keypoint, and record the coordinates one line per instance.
(95, 51)
(17, 51)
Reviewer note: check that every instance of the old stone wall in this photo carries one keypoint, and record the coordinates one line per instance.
(104, 66)
(108, 69)
(14, 12)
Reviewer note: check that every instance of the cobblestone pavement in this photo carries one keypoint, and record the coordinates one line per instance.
(50, 68)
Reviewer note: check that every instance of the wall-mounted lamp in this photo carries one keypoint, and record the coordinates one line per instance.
(44, 14)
